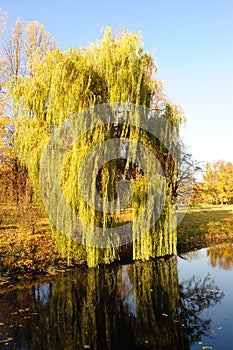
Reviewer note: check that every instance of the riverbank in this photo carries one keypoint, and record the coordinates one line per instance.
(204, 226)
(27, 250)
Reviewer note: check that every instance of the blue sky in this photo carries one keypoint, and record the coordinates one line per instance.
(193, 42)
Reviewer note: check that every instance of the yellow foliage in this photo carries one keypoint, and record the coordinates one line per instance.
(115, 69)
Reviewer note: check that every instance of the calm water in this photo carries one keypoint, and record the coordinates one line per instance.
(184, 303)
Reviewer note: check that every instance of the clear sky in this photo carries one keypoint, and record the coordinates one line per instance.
(193, 42)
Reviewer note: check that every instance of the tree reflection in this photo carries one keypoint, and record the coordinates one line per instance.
(197, 295)
(221, 255)
(137, 306)
(157, 298)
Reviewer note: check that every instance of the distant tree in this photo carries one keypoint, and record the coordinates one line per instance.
(187, 172)
(12, 52)
(16, 50)
(198, 193)
(14, 182)
(20, 45)
(217, 184)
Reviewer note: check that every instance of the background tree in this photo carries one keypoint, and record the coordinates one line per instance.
(12, 52)
(217, 184)
(6, 152)
(20, 45)
(17, 48)
(188, 170)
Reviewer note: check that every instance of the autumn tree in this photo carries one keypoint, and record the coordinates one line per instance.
(5, 151)
(217, 184)
(14, 179)
(198, 193)
(218, 181)
(21, 44)
(62, 84)
(188, 170)
(17, 49)
(13, 53)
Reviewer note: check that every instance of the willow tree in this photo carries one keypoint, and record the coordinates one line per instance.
(60, 129)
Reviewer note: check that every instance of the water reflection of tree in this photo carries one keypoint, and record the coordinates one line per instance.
(157, 298)
(139, 306)
(197, 295)
(192, 255)
(221, 255)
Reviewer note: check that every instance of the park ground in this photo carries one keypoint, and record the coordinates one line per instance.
(27, 250)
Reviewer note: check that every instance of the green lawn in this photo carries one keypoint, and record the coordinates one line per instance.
(202, 226)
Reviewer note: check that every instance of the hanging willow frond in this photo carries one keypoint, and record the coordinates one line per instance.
(63, 84)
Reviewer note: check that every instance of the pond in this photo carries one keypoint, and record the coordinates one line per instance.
(184, 303)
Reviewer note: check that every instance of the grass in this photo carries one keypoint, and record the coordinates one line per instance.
(27, 248)
(203, 226)
(26, 245)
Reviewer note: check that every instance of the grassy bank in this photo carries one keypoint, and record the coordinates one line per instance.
(203, 226)
(27, 248)
(26, 245)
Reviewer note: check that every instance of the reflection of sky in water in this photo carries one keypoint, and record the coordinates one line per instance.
(35, 318)
(199, 264)
(127, 293)
(42, 293)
